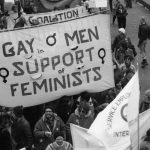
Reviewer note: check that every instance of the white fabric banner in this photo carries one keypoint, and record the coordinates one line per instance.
(97, 3)
(101, 3)
(82, 140)
(111, 125)
(144, 125)
(58, 16)
(43, 63)
(133, 104)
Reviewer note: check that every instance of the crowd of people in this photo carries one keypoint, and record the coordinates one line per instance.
(47, 126)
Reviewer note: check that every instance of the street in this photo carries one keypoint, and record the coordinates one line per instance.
(134, 15)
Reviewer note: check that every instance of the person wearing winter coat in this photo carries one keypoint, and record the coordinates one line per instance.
(143, 36)
(45, 128)
(115, 4)
(59, 143)
(83, 116)
(6, 141)
(21, 130)
(121, 14)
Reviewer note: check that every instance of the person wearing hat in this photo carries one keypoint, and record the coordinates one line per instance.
(121, 36)
(21, 130)
(145, 104)
(82, 116)
(59, 143)
(46, 126)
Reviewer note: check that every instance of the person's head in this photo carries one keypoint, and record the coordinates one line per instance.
(127, 62)
(6, 121)
(122, 31)
(49, 112)
(85, 96)
(18, 111)
(56, 9)
(120, 6)
(14, 8)
(67, 6)
(59, 137)
(35, 9)
(84, 108)
(143, 20)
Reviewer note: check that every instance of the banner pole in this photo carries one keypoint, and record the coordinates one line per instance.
(138, 133)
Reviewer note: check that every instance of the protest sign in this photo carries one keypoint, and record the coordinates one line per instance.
(43, 63)
(82, 140)
(111, 125)
(58, 16)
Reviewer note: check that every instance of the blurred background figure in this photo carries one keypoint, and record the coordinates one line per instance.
(121, 14)
(21, 130)
(6, 140)
(145, 144)
(143, 37)
(145, 104)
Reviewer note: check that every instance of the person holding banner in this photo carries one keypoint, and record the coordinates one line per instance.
(45, 128)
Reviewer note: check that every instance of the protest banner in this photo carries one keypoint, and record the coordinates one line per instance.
(58, 16)
(111, 125)
(43, 63)
(82, 140)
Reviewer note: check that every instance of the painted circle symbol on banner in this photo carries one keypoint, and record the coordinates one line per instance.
(124, 112)
(102, 54)
(51, 40)
(4, 73)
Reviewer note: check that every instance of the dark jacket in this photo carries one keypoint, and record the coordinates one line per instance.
(121, 13)
(117, 41)
(75, 118)
(41, 141)
(143, 32)
(5, 140)
(21, 133)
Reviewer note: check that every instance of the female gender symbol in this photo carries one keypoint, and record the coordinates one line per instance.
(102, 54)
(4, 76)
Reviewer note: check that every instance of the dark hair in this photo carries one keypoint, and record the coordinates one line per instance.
(48, 107)
(57, 134)
(18, 111)
(6, 119)
(85, 96)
